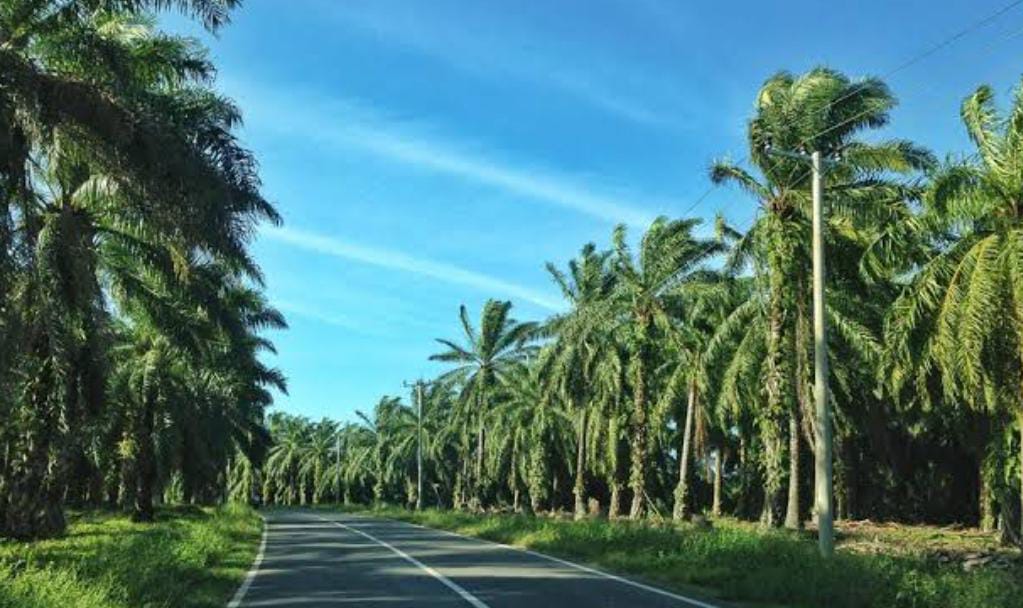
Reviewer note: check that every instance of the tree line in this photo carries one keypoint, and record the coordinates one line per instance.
(131, 310)
(679, 377)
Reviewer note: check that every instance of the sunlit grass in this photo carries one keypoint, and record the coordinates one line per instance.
(190, 557)
(740, 562)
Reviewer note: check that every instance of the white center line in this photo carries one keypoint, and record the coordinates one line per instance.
(472, 599)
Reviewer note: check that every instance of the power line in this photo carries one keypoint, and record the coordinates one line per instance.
(928, 52)
(743, 228)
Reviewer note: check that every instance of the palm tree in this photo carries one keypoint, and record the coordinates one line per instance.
(960, 315)
(315, 457)
(282, 481)
(154, 372)
(569, 365)
(359, 446)
(699, 307)
(528, 432)
(481, 364)
(821, 110)
(371, 459)
(609, 418)
(669, 256)
(400, 426)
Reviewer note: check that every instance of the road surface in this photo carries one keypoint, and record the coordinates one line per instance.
(319, 558)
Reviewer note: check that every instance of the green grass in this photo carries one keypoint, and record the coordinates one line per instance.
(740, 563)
(190, 557)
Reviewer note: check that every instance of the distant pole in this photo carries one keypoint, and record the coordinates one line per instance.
(822, 457)
(337, 455)
(418, 384)
(419, 446)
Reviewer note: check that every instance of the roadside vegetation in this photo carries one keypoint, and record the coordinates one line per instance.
(132, 368)
(751, 565)
(190, 557)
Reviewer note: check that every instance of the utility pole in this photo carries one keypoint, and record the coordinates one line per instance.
(419, 446)
(823, 486)
(822, 447)
(337, 440)
(419, 442)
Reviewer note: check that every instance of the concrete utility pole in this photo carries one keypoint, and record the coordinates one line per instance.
(822, 457)
(419, 442)
(419, 446)
(823, 486)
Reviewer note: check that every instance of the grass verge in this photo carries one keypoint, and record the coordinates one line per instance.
(736, 562)
(191, 557)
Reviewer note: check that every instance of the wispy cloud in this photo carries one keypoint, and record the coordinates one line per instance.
(396, 260)
(301, 310)
(346, 123)
(500, 49)
(535, 184)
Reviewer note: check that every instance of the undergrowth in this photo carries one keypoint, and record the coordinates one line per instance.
(190, 557)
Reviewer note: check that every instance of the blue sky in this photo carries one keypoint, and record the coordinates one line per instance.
(430, 154)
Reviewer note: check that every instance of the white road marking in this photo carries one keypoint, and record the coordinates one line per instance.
(472, 599)
(240, 594)
(614, 577)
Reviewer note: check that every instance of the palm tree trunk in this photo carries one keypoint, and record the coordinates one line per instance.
(145, 468)
(793, 520)
(743, 500)
(30, 512)
(1020, 414)
(513, 479)
(614, 510)
(378, 483)
(772, 455)
(537, 474)
(637, 472)
(465, 488)
(535, 504)
(986, 494)
(579, 488)
(719, 466)
(317, 487)
(793, 513)
(477, 498)
(769, 421)
(476, 501)
(681, 510)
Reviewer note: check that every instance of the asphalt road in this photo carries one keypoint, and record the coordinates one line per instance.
(313, 559)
